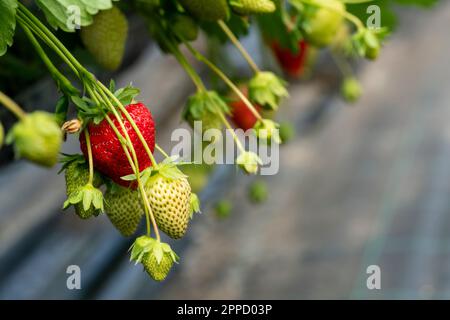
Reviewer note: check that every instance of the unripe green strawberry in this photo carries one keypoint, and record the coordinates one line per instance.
(372, 53)
(210, 10)
(185, 27)
(351, 89)
(124, 209)
(223, 208)
(77, 176)
(246, 7)
(258, 192)
(37, 137)
(170, 202)
(322, 25)
(287, 131)
(156, 257)
(158, 271)
(105, 38)
(198, 175)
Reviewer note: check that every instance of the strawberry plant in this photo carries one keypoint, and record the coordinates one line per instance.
(116, 171)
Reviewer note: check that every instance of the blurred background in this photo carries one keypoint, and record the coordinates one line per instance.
(359, 185)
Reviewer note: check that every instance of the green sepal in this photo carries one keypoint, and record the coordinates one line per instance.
(89, 196)
(68, 159)
(204, 104)
(267, 130)
(267, 90)
(194, 203)
(249, 162)
(147, 245)
(126, 94)
(367, 42)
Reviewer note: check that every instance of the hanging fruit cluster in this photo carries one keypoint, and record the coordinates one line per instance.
(116, 172)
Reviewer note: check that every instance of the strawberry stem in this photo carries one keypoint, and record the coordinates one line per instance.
(238, 46)
(89, 150)
(225, 79)
(230, 129)
(42, 32)
(342, 64)
(12, 106)
(63, 83)
(161, 150)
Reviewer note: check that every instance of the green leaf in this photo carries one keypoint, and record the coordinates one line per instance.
(194, 203)
(158, 252)
(267, 90)
(249, 162)
(62, 106)
(127, 94)
(7, 24)
(63, 13)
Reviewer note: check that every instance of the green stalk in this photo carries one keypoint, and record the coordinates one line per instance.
(161, 150)
(342, 64)
(225, 79)
(91, 162)
(238, 46)
(24, 11)
(27, 22)
(235, 137)
(64, 84)
(12, 106)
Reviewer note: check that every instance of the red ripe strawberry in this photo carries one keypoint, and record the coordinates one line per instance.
(293, 64)
(108, 155)
(241, 115)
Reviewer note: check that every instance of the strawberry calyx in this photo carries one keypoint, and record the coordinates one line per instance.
(249, 162)
(194, 203)
(205, 106)
(89, 196)
(156, 257)
(68, 159)
(167, 169)
(147, 245)
(367, 42)
(267, 130)
(267, 90)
